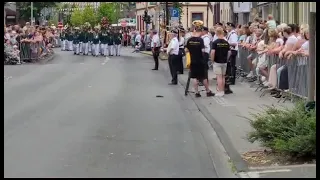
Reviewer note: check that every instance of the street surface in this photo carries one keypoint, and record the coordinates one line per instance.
(82, 116)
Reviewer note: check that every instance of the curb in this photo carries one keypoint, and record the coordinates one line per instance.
(46, 60)
(239, 164)
(234, 155)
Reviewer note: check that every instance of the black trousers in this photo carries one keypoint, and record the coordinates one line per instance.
(173, 65)
(231, 68)
(180, 63)
(155, 54)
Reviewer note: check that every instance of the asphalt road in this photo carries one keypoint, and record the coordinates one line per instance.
(82, 116)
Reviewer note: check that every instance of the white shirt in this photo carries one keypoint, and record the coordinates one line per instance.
(292, 40)
(280, 41)
(305, 46)
(138, 38)
(206, 41)
(215, 37)
(233, 38)
(181, 42)
(155, 39)
(299, 37)
(174, 45)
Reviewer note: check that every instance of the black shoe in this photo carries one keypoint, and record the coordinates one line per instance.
(74, 53)
(198, 95)
(172, 83)
(228, 91)
(278, 96)
(210, 94)
(154, 69)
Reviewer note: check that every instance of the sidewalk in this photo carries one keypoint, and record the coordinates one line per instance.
(226, 115)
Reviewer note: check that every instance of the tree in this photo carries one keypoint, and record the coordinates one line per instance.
(89, 15)
(25, 9)
(107, 10)
(77, 18)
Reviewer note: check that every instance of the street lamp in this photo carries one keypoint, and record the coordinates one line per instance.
(187, 4)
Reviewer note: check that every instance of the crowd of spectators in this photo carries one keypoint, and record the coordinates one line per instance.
(262, 38)
(29, 43)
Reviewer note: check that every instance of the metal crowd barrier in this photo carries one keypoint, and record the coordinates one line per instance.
(297, 71)
(31, 51)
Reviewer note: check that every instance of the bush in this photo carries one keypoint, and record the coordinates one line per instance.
(287, 131)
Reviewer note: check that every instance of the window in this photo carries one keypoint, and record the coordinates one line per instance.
(197, 16)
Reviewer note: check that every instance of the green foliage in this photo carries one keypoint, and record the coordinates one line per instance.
(89, 15)
(76, 18)
(25, 8)
(288, 131)
(107, 10)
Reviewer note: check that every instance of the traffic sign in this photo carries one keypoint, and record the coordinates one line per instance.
(174, 12)
(60, 25)
(124, 23)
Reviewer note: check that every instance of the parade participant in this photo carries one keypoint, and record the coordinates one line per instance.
(104, 38)
(219, 55)
(81, 34)
(95, 42)
(173, 52)
(232, 39)
(76, 41)
(206, 41)
(117, 43)
(63, 40)
(85, 38)
(198, 67)
(215, 37)
(155, 46)
(111, 43)
(69, 39)
(181, 49)
(90, 39)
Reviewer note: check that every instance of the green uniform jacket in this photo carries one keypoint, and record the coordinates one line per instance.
(76, 38)
(96, 38)
(104, 37)
(62, 36)
(69, 36)
(84, 37)
(111, 39)
(90, 36)
(117, 38)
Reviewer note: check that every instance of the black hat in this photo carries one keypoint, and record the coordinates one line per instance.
(174, 31)
(231, 24)
(219, 23)
(182, 29)
(205, 28)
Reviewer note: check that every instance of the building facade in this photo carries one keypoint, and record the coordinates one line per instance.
(296, 12)
(191, 11)
(241, 12)
(222, 12)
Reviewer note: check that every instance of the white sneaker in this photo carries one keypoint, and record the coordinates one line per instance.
(219, 94)
(250, 74)
(263, 78)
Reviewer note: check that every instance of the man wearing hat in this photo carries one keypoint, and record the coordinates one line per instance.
(206, 41)
(181, 49)
(117, 42)
(76, 41)
(232, 39)
(63, 40)
(155, 46)
(95, 42)
(173, 52)
(198, 67)
(111, 42)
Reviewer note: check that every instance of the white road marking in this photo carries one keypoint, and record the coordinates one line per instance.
(105, 61)
(222, 101)
(256, 174)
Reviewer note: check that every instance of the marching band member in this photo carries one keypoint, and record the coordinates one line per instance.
(111, 43)
(95, 42)
(155, 46)
(181, 50)
(104, 41)
(173, 52)
(76, 41)
(117, 43)
(63, 40)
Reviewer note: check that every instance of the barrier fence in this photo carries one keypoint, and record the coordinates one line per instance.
(296, 81)
(30, 51)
